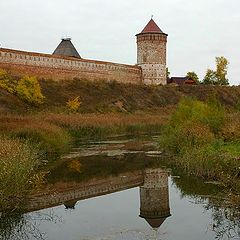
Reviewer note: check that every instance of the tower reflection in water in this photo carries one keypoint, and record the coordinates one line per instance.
(154, 197)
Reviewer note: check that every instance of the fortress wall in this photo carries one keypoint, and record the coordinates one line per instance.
(64, 68)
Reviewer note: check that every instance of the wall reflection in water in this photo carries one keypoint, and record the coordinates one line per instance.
(154, 197)
(154, 208)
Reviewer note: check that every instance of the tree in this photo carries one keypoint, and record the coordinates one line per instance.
(210, 77)
(6, 81)
(221, 72)
(193, 76)
(29, 89)
(218, 77)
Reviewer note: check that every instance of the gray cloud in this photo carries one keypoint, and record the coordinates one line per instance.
(198, 30)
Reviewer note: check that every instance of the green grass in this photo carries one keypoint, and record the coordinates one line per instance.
(232, 148)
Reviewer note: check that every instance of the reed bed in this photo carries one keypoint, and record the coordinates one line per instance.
(27, 141)
(51, 138)
(18, 162)
(55, 132)
(97, 125)
(103, 120)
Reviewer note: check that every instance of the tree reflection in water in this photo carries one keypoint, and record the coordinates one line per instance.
(25, 226)
(226, 221)
(225, 217)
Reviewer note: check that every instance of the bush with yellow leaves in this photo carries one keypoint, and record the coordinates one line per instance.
(74, 104)
(6, 82)
(28, 88)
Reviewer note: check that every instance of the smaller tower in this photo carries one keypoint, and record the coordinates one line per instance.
(154, 197)
(66, 48)
(151, 54)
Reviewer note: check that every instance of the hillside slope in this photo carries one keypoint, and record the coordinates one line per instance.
(115, 97)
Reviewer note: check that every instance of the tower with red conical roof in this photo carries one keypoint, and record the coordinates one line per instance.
(151, 54)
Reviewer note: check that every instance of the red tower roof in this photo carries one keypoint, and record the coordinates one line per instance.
(152, 27)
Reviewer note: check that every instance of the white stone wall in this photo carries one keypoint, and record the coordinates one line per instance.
(151, 52)
(49, 61)
(155, 179)
(106, 70)
(154, 73)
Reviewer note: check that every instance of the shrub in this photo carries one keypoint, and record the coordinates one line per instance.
(49, 137)
(28, 88)
(74, 104)
(192, 125)
(211, 114)
(18, 161)
(194, 134)
(6, 82)
(187, 136)
(210, 163)
(231, 129)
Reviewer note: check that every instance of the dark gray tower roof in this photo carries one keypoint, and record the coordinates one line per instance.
(66, 48)
(155, 223)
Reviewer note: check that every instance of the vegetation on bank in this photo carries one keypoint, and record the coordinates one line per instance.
(28, 142)
(18, 162)
(27, 88)
(53, 115)
(109, 97)
(205, 140)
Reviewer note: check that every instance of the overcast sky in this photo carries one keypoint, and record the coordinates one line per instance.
(199, 30)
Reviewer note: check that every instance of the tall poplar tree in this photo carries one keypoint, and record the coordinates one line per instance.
(218, 77)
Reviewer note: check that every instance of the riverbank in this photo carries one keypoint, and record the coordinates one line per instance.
(113, 97)
(48, 125)
(203, 140)
(30, 142)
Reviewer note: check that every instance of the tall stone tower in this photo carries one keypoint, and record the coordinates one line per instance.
(154, 197)
(151, 54)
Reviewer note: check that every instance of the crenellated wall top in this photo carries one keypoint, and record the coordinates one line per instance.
(23, 57)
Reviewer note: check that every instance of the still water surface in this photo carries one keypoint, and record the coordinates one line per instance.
(122, 188)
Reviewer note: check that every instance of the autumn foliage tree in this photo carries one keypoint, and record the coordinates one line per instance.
(28, 88)
(6, 82)
(221, 72)
(219, 76)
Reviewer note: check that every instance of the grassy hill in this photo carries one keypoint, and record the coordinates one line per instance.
(105, 97)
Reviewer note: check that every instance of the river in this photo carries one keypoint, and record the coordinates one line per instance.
(122, 188)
